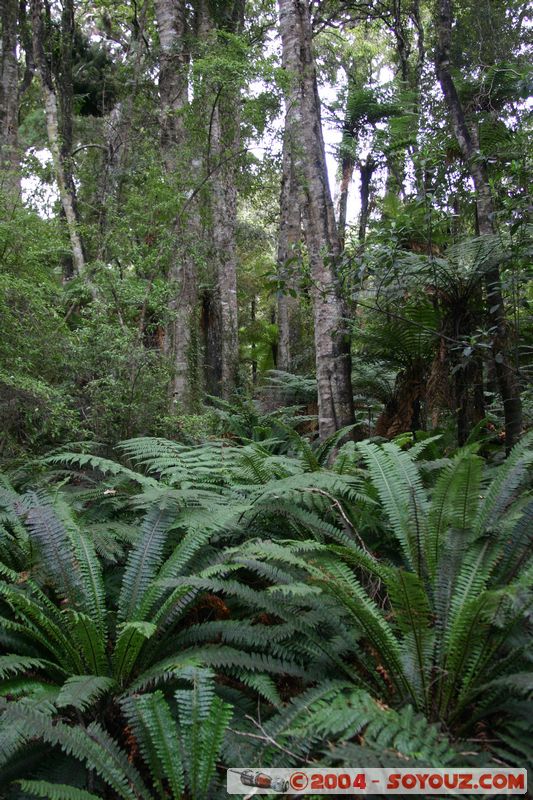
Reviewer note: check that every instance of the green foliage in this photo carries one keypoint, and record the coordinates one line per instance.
(179, 755)
(221, 587)
(68, 370)
(263, 569)
(444, 622)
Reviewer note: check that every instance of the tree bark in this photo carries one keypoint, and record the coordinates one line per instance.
(54, 140)
(507, 381)
(65, 84)
(223, 146)
(347, 170)
(176, 149)
(117, 131)
(174, 58)
(289, 238)
(366, 170)
(332, 349)
(9, 101)
(26, 45)
(225, 136)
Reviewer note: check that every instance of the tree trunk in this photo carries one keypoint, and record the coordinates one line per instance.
(366, 171)
(507, 381)
(347, 167)
(223, 146)
(26, 45)
(64, 81)
(416, 20)
(174, 60)
(9, 101)
(54, 140)
(117, 132)
(332, 347)
(253, 317)
(176, 151)
(289, 238)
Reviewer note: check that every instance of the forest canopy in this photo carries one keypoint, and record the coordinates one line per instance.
(265, 390)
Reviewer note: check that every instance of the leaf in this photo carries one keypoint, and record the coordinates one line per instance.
(81, 691)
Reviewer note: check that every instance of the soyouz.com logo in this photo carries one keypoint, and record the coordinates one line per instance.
(252, 781)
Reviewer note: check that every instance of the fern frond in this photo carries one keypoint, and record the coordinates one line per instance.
(104, 465)
(394, 496)
(143, 561)
(55, 791)
(131, 639)
(14, 664)
(203, 722)
(49, 533)
(81, 691)
(504, 485)
(155, 729)
(89, 640)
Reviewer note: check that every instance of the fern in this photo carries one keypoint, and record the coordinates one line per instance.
(143, 561)
(80, 691)
(103, 465)
(155, 729)
(394, 496)
(57, 553)
(504, 485)
(203, 721)
(372, 604)
(55, 791)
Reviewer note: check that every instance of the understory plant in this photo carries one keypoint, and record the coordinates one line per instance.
(342, 603)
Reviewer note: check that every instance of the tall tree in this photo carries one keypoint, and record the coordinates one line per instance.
(222, 164)
(174, 58)
(51, 106)
(186, 35)
(332, 349)
(9, 100)
(118, 125)
(182, 169)
(466, 140)
(289, 237)
(65, 84)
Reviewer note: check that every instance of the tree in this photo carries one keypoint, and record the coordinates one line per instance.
(9, 100)
(223, 27)
(209, 260)
(65, 83)
(63, 175)
(182, 168)
(289, 239)
(332, 348)
(485, 210)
